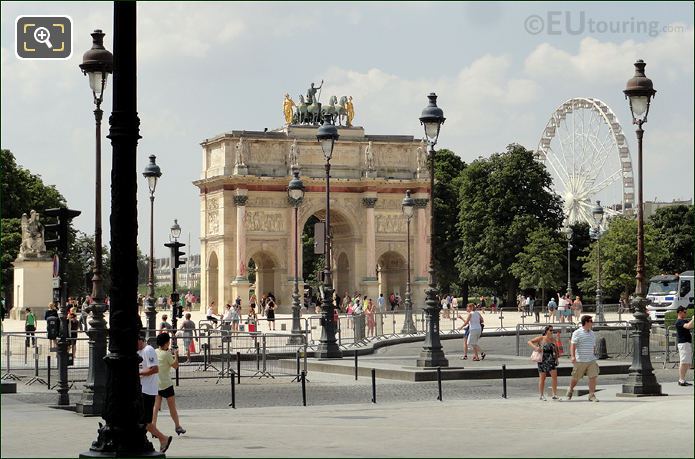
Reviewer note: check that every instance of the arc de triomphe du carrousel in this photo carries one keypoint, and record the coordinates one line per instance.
(247, 222)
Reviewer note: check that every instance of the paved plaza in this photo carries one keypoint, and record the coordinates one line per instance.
(516, 427)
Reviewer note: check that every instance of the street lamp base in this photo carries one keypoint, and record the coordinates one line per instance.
(91, 404)
(328, 351)
(408, 328)
(432, 358)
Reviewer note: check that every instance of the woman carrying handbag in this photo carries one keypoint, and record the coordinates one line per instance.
(545, 353)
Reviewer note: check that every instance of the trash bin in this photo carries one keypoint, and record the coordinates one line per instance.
(601, 350)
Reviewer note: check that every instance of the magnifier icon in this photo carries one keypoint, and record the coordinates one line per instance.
(42, 35)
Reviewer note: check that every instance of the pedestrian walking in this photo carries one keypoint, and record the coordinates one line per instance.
(583, 358)
(164, 325)
(74, 327)
(381, 304)
(548, 366)
(149, 381)
(536, 308)
(562, 307)
(84, 315)
(270, 315)
(466, 333)
(188, 334)
(552, 308)
(167, 360)
(577, 307)
(475, 322)
(30, 327)
(684, 344)
(371, 322)
(52, 311)
(251, 319)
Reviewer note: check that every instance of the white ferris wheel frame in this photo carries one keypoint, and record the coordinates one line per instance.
(614, 140)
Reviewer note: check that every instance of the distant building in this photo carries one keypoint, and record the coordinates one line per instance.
(650, 207)
(188, 275)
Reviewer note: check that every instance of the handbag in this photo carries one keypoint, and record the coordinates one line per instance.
(537, 356)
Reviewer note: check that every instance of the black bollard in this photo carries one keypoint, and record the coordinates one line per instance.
(504, 381)
(177, 377)
(439, 383)
(48, 364)
(299, 365)
(238, 367)
(36, 362)
(355, 365)
(373, 385)
(304, 388)
(233, 404)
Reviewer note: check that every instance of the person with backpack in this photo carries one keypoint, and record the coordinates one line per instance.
(30, 327)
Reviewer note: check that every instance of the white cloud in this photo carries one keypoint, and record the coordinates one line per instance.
(599, 61)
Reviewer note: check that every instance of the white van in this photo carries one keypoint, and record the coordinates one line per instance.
(667, 292)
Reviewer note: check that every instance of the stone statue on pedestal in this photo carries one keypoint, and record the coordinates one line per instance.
(33, 245)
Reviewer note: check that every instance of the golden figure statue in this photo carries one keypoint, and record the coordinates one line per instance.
(350, 111)
(287, 105)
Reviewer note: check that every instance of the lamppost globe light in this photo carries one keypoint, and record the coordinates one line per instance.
(97, 63)
(432, 118)
(295, 190)
(408, 205)
(327, 135)
(175, 230)
(597, 214)
(639, 91)
(152, 172)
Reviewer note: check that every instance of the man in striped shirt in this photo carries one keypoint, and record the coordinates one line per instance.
(584, 358)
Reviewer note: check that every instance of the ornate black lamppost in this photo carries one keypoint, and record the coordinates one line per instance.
(295, 196)
(152, 173)
(432, 354)
(328, 346)
(97, 64)
(123, 434)
(567, 231)
(408, 207)
(595, 233)
(641, 380)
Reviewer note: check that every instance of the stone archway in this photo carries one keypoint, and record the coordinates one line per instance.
(342, 275)
(212, 281)
(343, 241)
(266, 274)
(392, 273)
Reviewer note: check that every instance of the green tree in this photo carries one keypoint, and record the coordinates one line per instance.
(501, 199)
(675, 227)
(20, 192)
(312, 264)
(541, 263)
(619, 258)
(447, 240)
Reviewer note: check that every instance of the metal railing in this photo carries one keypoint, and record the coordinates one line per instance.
(616, 334)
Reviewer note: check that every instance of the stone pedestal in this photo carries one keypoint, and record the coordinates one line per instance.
(370, 174)
(241, 169)
(240, 287)
(33, 286)
(370, 287)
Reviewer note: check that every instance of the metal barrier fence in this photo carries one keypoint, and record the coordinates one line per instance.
(219, 354)
(616, 334)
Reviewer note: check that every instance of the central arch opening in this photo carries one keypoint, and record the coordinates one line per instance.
(392, 273)
(342, 252)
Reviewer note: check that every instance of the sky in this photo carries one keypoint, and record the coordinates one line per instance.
(500, 70)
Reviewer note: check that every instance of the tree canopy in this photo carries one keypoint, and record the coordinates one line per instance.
(22, 191)
(675, 227)
(541, 264)
(447, 241)
(619, 258)
(502, 199)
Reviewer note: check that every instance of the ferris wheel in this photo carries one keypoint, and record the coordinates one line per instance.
(584, 149)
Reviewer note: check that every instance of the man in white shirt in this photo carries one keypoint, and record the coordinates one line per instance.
(149, 380)
(381, 303)
(583, 357)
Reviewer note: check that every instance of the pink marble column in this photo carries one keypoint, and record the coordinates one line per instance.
(240, 201)
(423, 238)
(369, 203)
